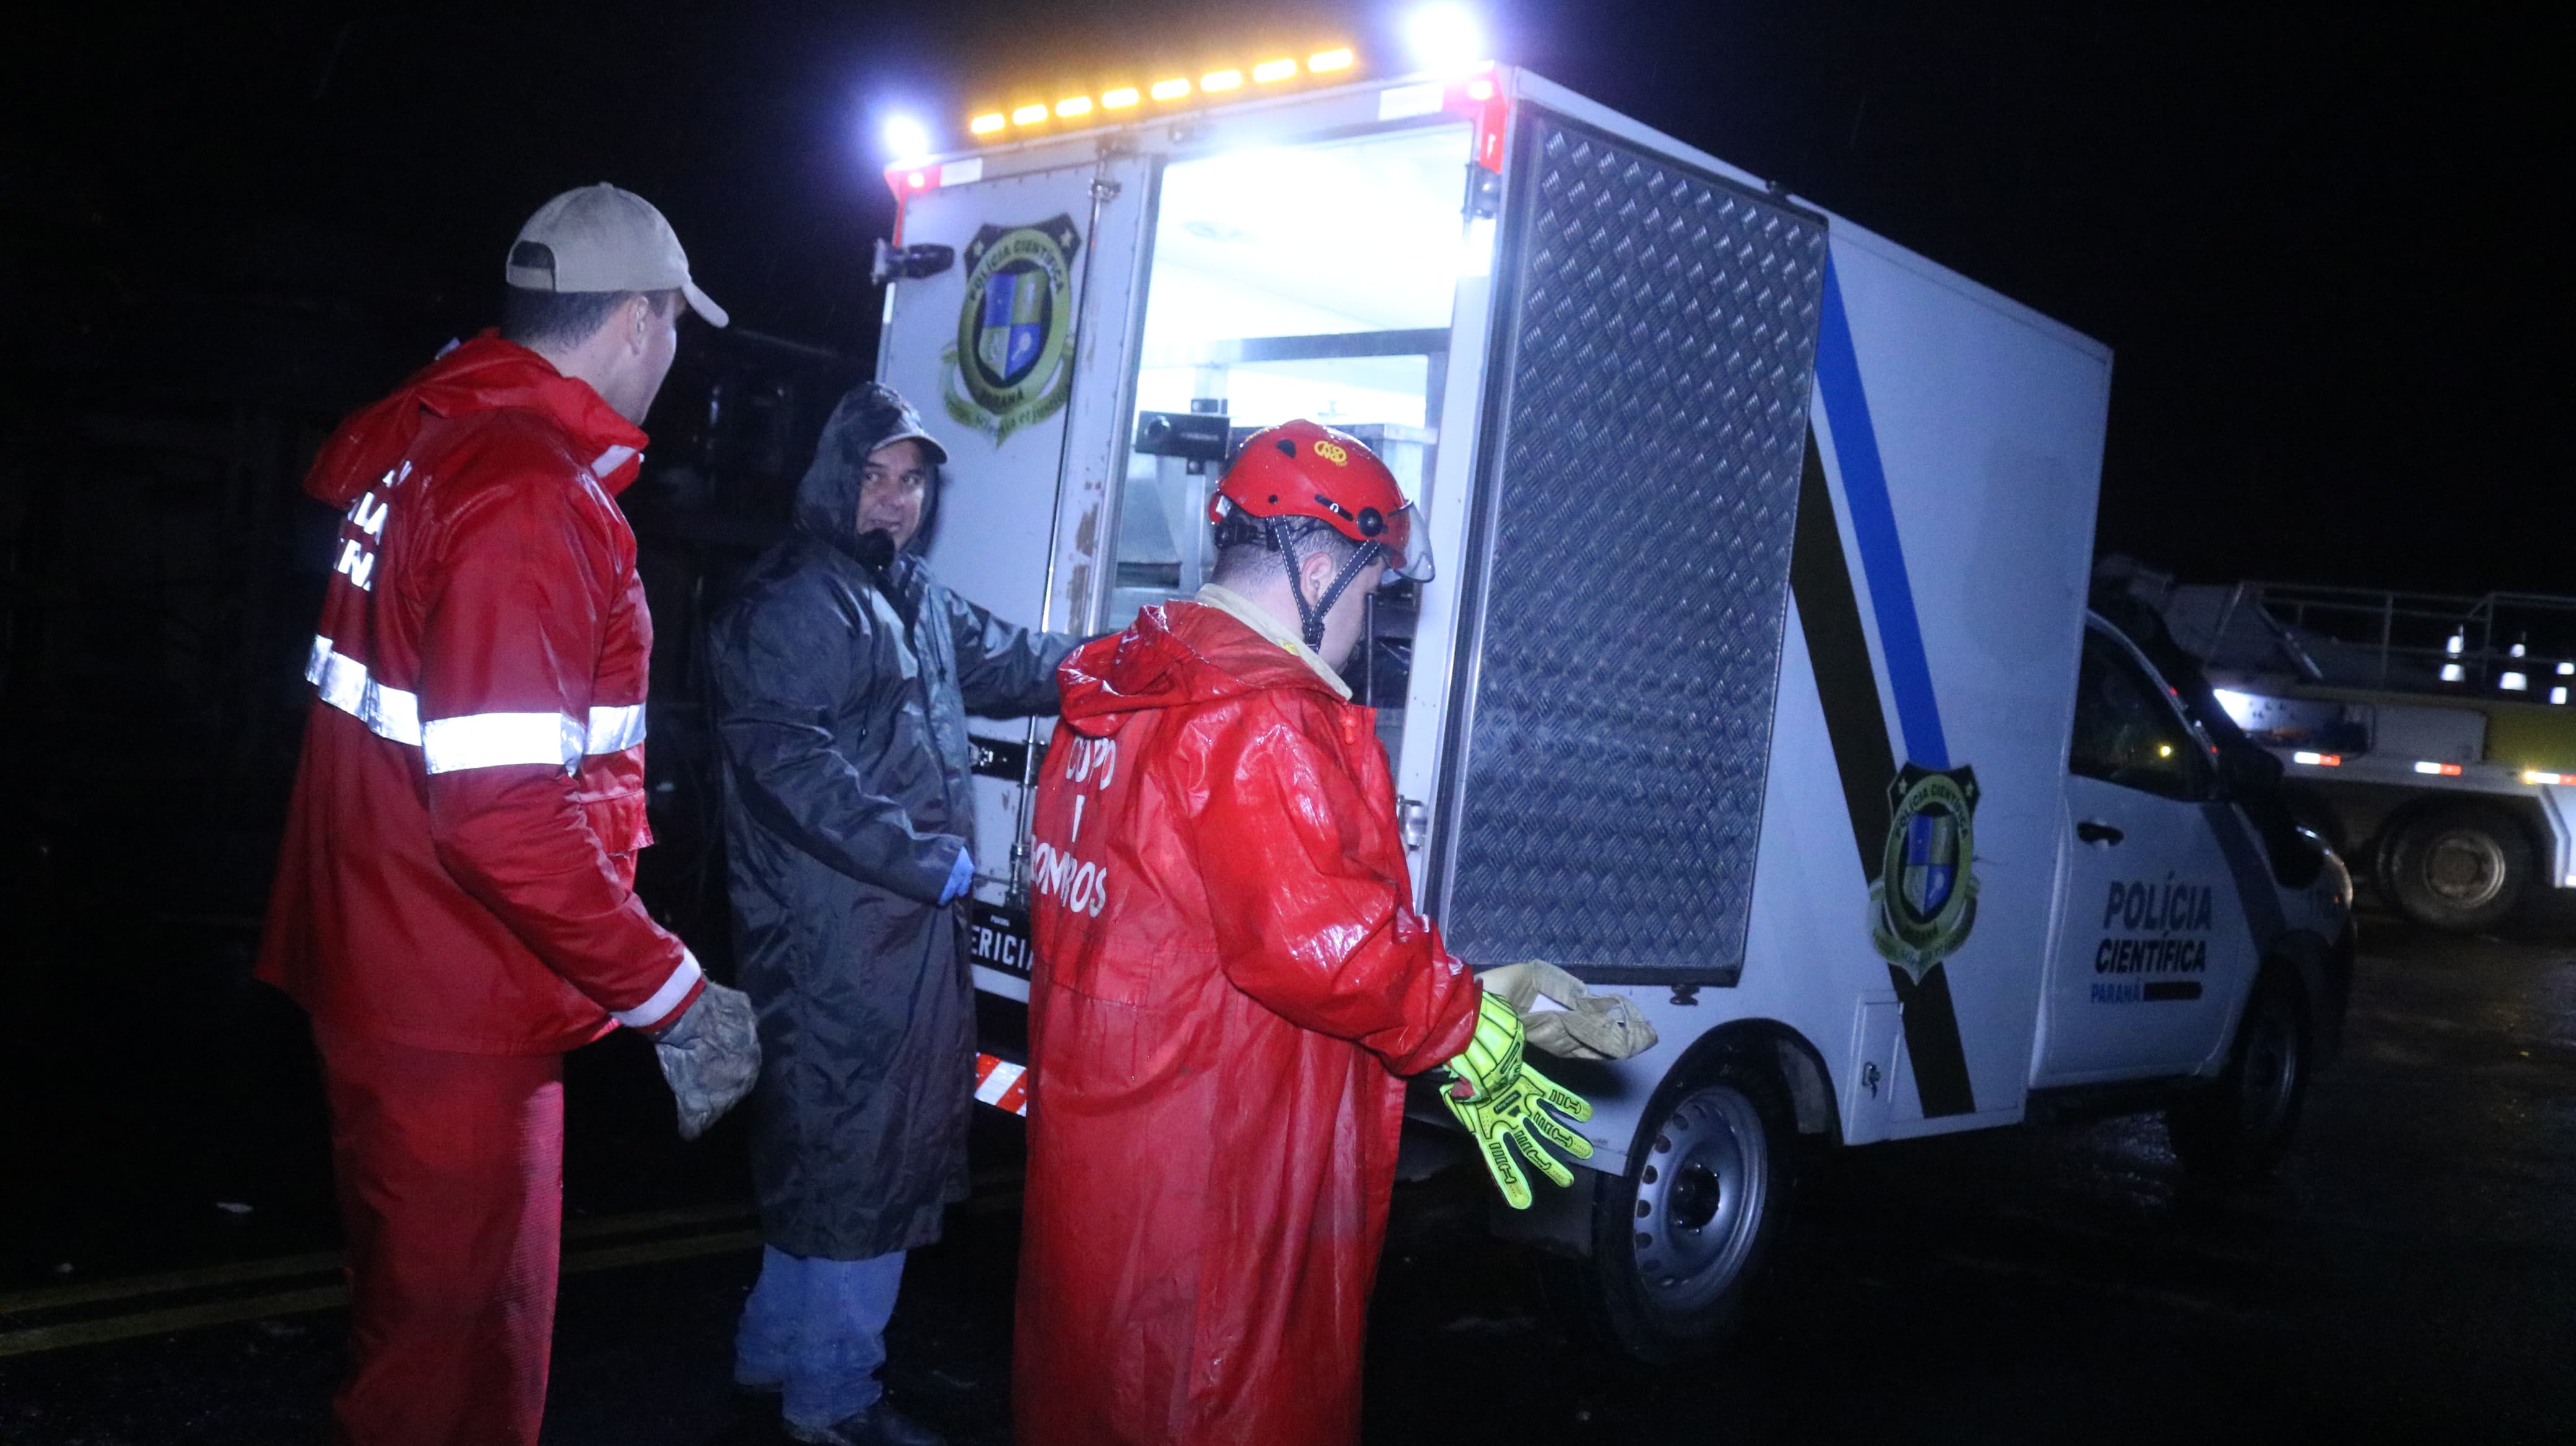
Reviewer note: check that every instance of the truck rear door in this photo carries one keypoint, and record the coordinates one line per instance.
(1002, 351)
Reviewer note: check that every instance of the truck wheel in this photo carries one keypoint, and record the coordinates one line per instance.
(1679, 1240)
(2239, 1127)
(2459, 868)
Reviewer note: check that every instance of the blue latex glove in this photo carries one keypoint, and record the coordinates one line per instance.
(960, 875)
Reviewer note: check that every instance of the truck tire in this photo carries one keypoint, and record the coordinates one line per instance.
(2238, 1127)
(2459, 867)
(1679, 1241)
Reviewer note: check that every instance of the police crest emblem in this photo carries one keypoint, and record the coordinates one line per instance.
(1012, 363)
(1925, 900)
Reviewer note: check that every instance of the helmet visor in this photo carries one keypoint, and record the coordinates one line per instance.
(1408, 547)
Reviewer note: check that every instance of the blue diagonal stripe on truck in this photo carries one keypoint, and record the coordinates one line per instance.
(1873, 519)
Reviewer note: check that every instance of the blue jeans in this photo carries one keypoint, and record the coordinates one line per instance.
(818, 1327)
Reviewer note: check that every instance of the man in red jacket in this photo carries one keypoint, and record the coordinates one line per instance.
(1230, 980)
(454, 902)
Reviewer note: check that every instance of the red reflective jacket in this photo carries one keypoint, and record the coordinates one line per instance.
(1230, 977)
(459, 862)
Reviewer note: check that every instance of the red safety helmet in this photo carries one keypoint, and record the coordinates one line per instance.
(1306, 469)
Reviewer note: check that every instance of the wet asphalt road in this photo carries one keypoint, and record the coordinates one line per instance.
(2409, 1275)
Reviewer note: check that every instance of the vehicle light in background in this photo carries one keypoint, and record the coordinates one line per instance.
(2516, 650)
(2439, 770)
(2452, 672)
(2318, 760)
(2456, 643)
(2515, 683)
(2239, 706)
(2534, 775)
(1445, 38)
(2558, 695)
(1270, 70)
(2567, 670)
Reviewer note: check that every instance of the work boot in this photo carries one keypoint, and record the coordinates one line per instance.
(878, 1425)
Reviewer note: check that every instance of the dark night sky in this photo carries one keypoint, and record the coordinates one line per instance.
(2317, 240)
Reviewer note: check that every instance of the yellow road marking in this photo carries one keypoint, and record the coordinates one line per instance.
(327, 1297)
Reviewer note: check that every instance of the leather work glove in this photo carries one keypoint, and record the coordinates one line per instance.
(1498, 1098)
(1588, 1026)
(710, 1055)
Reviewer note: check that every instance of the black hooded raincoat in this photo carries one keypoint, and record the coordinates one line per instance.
(842, 690)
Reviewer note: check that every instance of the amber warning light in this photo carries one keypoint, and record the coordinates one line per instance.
(1168, 92)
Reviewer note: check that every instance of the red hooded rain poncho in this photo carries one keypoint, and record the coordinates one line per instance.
(1230, 979)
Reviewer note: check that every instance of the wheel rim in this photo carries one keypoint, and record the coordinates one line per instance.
(2269, 1078)
(2464, 868)
(1700, 1198)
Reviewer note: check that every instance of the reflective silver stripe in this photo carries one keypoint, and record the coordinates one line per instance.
(610, 460)
(343, 682)
(495, 740)
(673, 990)
(614, 730)
(479, 740)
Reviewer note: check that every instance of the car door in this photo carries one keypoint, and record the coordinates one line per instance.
(2153, 949)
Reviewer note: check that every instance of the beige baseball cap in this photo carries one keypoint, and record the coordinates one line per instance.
(599, 238)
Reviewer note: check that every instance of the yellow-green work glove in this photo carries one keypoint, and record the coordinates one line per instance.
(1498, 1097)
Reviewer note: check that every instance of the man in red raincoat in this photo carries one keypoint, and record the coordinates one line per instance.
(1230, 982)
(455, 901)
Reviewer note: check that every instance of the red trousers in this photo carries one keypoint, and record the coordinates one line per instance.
(450, 1175)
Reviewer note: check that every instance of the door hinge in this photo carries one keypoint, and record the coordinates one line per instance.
(1413, 821)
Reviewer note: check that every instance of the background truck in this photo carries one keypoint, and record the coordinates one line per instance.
(2428, 737)
(1756, 681)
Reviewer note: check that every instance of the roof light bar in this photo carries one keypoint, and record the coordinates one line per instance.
(994, 124)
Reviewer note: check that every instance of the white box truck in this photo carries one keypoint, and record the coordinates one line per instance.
(1756, 681)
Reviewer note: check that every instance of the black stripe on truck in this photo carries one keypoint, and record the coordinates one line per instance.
(1856, 726)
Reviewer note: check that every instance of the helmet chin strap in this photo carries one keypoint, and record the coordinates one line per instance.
(1310, 616)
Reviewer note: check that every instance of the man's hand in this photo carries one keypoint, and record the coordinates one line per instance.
(710, 1055)
(1499, 1099)
(961, 875)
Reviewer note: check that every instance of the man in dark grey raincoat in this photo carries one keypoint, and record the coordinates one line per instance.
(843, 673)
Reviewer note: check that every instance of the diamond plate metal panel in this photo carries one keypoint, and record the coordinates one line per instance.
(1605, 797)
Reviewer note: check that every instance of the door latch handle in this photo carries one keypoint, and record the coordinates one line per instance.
(2101, 833)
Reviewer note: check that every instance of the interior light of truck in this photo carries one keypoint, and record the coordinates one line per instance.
(2515, 683)
(2534, 775)
(1169, 89)
(2438, 770)
(1119, 99)
(1073, 106)
(2452, 673)
(985, 125)
(1326, 60)
(2318, 760)
(1028, 115)
(1270, 70)
(1221, 80)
